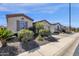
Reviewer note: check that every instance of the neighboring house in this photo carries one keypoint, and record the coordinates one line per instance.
(16, 22)
(46, 24)
(66, 28)
(56, 27)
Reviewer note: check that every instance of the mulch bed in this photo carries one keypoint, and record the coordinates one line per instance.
(8, 51)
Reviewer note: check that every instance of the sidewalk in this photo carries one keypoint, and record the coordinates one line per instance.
(53, 48)
(72, 48)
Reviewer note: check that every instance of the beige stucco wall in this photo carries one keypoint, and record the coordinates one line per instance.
(12, 22)
(46, 25)
(52, 28)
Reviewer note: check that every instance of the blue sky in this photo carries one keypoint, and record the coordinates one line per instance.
(53, 12)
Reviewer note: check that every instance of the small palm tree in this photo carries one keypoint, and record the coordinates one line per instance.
(4, 35)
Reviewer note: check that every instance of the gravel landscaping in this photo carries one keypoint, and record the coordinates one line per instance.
(15, 48)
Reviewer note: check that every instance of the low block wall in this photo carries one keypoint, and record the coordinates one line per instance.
(53, 48)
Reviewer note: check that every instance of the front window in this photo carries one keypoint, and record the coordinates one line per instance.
(21, 25)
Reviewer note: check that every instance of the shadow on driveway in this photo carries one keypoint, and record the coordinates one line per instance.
(51, 39)
(31, 45)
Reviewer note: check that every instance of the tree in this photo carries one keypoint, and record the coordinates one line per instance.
(4, 35)
(38, 26)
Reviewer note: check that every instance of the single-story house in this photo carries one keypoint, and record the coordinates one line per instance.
(66, 28)
(56, 27)
(16, 22)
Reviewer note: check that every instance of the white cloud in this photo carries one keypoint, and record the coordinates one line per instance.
(40, 8)
(21, 11)
(48, 9)
(18, 7)
(29, 4)
(22, 4)
(4, 9)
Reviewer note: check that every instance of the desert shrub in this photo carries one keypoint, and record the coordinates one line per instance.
(25, 35)
(44, 32)
(40, 38)
(38, 26)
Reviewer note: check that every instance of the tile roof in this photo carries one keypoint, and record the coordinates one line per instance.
(19, 14)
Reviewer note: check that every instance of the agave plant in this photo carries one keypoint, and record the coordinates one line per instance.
(4, 35)
(25, 36)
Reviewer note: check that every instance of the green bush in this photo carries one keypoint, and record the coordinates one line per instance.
(25, 35)
(44, 32)
(40, 38)
(4, 35)
(38, 26)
